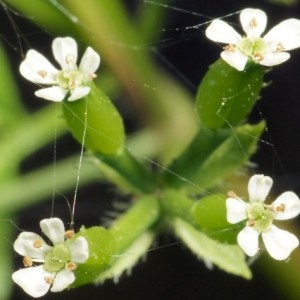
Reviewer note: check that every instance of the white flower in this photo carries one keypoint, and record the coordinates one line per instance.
(279, 243)
(58, 260)
(70, 79)
(268, 50)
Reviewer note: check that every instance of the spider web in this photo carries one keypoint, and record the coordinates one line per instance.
(180, 32)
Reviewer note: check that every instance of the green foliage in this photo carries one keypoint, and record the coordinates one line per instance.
(209, 214)
(95, 119)
(226, 96)
(101, 250)
(229, 258)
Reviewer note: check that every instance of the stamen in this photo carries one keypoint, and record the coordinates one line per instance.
(280, 207)
(257, 57)
(69, 234)
(232, 194)
(42, 73)
(253, 23)
(230, 48)
(70, 59)
(70, 266)
(279, 47)
(49, 280)
(37, 244)
(27, 261)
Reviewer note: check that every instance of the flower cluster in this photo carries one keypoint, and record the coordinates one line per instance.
(57, 261)
(269, 50)
(70, 79)
(279, 243)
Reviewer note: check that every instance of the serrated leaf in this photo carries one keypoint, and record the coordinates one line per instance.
(229, 258)
(126, 261)
(226, 95)
(229, 156)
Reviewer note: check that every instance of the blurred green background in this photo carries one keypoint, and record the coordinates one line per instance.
(153, 58)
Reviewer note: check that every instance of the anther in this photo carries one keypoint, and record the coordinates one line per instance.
(37, 244)
(49, 280)
(69, 234)
(42, 73)
(27, 261)
(253, 22)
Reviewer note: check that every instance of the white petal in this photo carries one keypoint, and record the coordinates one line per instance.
(65, 52)
(279, 243)
(220, 31)
(275, 58)
(38, 69)
(24, 245)
(32, 280)
(79, 92)
(259, 187)
(79, 250)
(54, 229)
(90, 61)
(286, 33)
(290, 203)
(236, 210)
(62, 280)
(236, 59)
(254, 22)
(54, 93)
(248, 240)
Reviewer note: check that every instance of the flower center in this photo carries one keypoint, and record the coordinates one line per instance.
(56, 259)
(253, 48)
(259, 217)
(71, 79)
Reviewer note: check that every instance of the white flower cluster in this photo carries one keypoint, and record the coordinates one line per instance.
(279, 243)
(70, 79)
(56, 263)
(269, 50)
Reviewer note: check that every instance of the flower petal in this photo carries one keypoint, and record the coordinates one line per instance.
(286, 206)
(220, 31)
(254, 22)
(79, 250)
(62, 280)
(236, 210)
(286, 34)
(38, 69)
(54, 93)
(24, 245)
(65, 52)
(259, 187)
(79, 92)
(279, 243)
(32, 280)
(275, 58)
(54, 229)
(90, 62)
(248, 240)
(235, 58)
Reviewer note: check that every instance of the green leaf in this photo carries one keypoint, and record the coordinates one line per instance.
(101, 252)
(130, 257)
(142, 216)
(97, 117)
(210, 214)
(230, 155)
(226, 96)
(229, 258)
